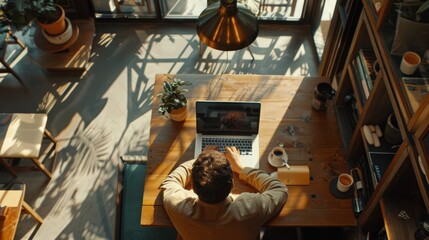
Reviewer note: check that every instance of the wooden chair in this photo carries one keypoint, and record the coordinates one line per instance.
(23, 135)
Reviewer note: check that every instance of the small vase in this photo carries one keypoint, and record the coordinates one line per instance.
(179, 115)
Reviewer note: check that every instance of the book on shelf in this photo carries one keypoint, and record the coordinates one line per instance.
(363, 78)
(359, 82)
(367, 59)
(416, 89)
(366, 179)
(365, 88)
(379, 162)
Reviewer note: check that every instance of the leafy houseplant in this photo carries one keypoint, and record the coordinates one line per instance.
(18, 14)
(173, 101)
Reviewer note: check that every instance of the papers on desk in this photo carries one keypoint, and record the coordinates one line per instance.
(10, 198)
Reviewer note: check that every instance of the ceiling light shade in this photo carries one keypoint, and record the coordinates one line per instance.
(227, 26)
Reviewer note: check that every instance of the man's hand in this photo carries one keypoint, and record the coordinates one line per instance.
(233, 156)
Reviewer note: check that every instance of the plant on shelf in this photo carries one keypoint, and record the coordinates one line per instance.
(18, 15)
(173, 100)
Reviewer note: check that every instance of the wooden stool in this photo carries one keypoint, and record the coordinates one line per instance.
(21, 136)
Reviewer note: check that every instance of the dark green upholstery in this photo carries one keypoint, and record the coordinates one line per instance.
(130, 207)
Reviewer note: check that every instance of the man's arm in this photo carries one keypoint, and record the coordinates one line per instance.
(179, 178)
(273, 193)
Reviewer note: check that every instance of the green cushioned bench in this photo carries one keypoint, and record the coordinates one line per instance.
(130, 188)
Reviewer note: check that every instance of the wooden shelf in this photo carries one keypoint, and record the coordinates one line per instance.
(403, 186)
(400, 215)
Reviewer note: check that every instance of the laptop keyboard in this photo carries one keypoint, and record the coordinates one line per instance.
(244, 144)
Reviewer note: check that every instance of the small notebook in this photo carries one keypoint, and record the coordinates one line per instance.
(295, 175)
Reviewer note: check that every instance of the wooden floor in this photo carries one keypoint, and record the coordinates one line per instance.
(104, 113)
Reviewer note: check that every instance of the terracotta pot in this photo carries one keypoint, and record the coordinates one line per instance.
(58, 26)
(179, 115)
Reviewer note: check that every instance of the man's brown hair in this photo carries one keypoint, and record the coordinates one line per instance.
(212, 176)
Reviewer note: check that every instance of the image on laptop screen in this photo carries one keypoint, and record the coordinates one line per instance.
(225, 118)
(230, 123)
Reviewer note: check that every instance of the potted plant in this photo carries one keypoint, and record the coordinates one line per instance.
(18, 15)
(173, 101)
(52, 21)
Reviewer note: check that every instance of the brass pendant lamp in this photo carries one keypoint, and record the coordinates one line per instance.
(227, 26)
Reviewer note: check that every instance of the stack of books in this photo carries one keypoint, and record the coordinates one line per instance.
(363, 66)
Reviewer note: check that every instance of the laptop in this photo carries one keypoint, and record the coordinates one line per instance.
(232, 123)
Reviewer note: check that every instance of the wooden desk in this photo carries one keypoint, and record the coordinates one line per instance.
(310, 137)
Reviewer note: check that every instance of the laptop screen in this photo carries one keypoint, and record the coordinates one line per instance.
(227, 118)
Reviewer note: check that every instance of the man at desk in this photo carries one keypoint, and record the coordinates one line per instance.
(210, 211)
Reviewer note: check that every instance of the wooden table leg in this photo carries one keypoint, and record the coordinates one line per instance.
(54, 141)
(42, 167)
(8, 69)
(31, 211)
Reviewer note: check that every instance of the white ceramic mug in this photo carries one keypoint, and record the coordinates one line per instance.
(278, 155)
(410, 62)
(345, 181)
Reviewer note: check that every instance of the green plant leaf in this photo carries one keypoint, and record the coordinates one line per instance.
(172, 97)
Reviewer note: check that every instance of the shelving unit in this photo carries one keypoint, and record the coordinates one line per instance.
(367, 93)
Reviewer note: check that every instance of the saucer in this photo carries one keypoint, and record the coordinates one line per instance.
(334, 191)
(270, 161)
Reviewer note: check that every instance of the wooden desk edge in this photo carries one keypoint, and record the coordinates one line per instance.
(156, 216)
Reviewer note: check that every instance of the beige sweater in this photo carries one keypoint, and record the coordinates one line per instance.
(237, 217)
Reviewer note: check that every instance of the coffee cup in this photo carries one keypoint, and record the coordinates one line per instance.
(278, 157)
(410, 62)
(344, 182)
